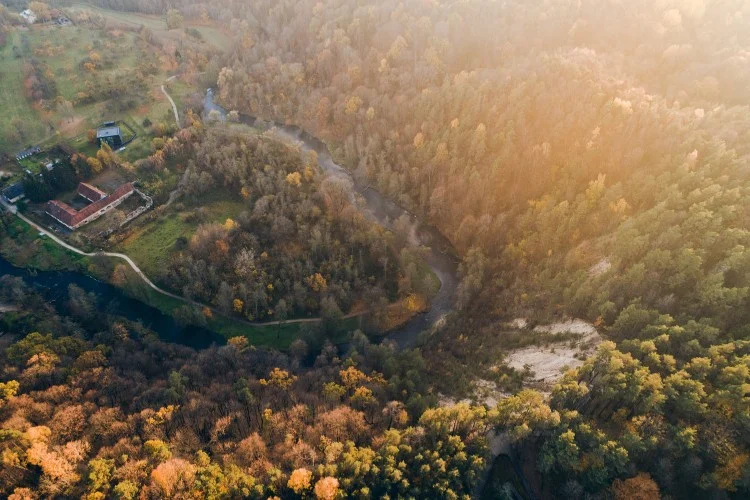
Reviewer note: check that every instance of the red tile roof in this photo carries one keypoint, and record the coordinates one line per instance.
(71, 218)
(62, 212)
(90, 192)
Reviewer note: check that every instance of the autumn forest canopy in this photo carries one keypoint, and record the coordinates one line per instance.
(585, 159)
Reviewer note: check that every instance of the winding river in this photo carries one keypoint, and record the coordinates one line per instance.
(53, 285)
(384, 211)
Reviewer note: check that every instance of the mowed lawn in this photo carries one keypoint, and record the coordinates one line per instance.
(13, 104)
(152, 244)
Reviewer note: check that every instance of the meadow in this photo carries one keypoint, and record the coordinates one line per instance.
(20, 125)
(210, 33)
(151, 244)
(92, 66)
(62, 51)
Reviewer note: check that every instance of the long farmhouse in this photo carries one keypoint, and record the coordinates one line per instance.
(101, 203)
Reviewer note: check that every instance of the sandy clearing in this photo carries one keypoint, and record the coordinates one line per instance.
(549, 363)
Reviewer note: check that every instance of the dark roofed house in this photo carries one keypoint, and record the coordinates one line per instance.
(90, 192)
(28, 152)
(111, 135)
(14, 192)
(72, 218)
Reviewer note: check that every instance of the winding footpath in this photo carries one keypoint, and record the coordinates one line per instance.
(116, 255)
(384, 211)
(171, 101)
(151, 284)
(177, 190)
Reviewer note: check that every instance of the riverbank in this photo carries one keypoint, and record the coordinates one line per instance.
(43, 250)
(440, 255)
(30, 250)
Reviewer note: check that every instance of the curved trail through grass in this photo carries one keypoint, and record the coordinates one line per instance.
(176, 191)
(157, 289)
(171, 101)
(379, 208)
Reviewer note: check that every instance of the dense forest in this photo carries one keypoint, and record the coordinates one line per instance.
(297, 246)
(102, 409)
(586, 158)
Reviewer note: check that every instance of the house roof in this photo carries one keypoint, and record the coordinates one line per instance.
(107, 132)
(71, 218)
(62, 212)
(90, 192)
(13, 191)
(28, 152)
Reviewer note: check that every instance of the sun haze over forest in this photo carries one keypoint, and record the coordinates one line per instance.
(418, 249)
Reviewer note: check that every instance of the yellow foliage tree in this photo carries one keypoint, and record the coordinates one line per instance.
(300, 480)
(294, 179)
(317, 282)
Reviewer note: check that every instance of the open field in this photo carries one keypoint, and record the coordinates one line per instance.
(151, 244)
(19, 125)
(24, 247)
(39, 252)
(62, 53)
(210, 33)
(9, 172)
(273, 335)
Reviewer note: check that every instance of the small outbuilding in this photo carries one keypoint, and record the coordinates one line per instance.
(14, 192)
(110, 133)
(28, 152)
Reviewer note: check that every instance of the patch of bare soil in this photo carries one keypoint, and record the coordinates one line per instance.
(600, 268)
(109, 180)
(69, 127)
(549, 363)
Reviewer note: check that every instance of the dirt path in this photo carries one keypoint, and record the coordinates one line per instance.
(171, 101)
(145, 279)
(177, 190)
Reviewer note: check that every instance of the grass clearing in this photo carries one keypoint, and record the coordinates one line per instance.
(23, 246)
(63, 51)
(151, 244)
(275, 336)
(210, 33)
(20, 124)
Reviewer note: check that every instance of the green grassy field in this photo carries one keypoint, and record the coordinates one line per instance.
(151, 245)
(63, 50)
(157, 24)
(43, 254)
(20, 125)
(276, 336)
(22, 246)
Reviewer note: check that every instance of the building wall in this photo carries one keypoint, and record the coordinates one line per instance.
(115, 141)
(102, 211)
